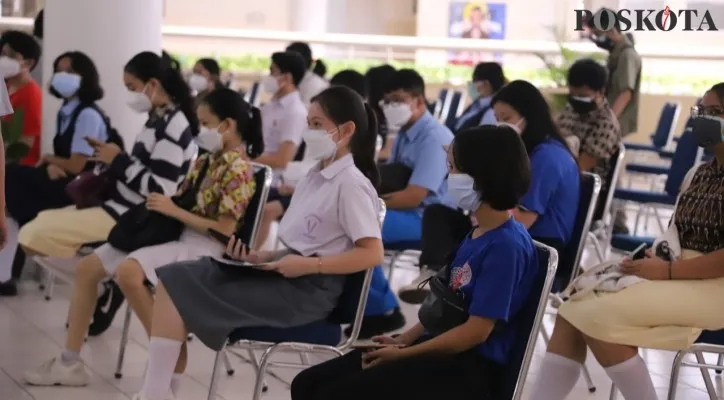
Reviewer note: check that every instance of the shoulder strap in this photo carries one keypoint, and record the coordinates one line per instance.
(74, 117)
(201, 176)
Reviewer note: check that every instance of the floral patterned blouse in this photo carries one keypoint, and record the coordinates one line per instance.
(227, 187)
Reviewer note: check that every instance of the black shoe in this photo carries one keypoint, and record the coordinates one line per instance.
(9, 288)
(106, 308)
(375, 325)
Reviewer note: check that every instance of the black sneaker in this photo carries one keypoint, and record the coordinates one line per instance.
(106, 308)
(9, 288)
(379, 324)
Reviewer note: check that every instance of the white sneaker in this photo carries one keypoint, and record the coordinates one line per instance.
(56, 373)
(414, 293)
(139, 396)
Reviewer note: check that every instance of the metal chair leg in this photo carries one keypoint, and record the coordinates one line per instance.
(393, 261)
(49, 283)
(589, 381)
(597, 247)
(674, 380)
(705, 375)
(719, 362)
(544, 333)
(227, 363)
(255, 364)
(213, 386)
(614, 392)
(124, 343)
(260, 385)
(304, 358)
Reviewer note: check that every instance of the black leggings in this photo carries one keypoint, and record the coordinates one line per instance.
(458, 376)
(443, 228)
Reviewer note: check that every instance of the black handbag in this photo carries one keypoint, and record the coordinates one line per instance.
(444, 308)
(140, 227)
(394, 177)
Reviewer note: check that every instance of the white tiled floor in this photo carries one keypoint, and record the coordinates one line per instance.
(32, 331)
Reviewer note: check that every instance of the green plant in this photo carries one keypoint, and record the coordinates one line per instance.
(12, 130)
(558, 66)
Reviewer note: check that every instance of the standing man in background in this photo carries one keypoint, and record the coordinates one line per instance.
(624, 85)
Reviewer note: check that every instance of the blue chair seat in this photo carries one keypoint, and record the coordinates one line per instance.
(641, 196)
(712, 337)
(640, 147)
(401, 246)
(321, 332)
(625, 242)
(648, 169)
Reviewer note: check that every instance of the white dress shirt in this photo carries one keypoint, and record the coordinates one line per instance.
(310, 86)
(283, 120)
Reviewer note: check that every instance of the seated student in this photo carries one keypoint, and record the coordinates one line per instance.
(419, 146)
(588, 121)
(672, 302)
(225, 192)
(36, 188)
(549, 208)
(206, 77)
(283, 120)
(312, 83)
(353, 80)
(488, 78)
(494, 269)
(158, 162)
(19, 55)
(378, 79)
(211, 299)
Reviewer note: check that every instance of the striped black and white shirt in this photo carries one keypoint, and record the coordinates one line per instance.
(158, 163)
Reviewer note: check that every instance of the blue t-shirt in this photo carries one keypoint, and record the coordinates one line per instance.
(495, 273)
(554, 191)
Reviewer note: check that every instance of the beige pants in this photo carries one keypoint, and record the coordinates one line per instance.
(61, 232)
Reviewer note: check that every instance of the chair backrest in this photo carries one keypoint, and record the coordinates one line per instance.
(450, 108)
(530, 317)
(667, 123)
(605, 198)
(249, 228)
(252, 95)
(351, 305)
(440, 103)
(570, 257)
(687, 154)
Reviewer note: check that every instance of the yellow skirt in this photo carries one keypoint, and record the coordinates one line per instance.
(61, 232)
(668, 315)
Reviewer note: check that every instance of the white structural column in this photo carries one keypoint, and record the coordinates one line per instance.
(311, 16)
(110, 32)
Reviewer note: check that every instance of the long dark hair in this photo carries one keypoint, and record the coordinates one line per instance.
(529, 102)
(226, 103)
(342, 104)
(377, 80)
(90, 89)
(147, 65)
(212, 66)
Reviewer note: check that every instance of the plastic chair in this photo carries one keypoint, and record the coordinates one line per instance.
(402, 251)
(439, 103)
(530, 317)
(570, 258)
(663, 135)
(453, 109)
(686, 156)
(247, 232)
(602, 226)
(317, 337)
(641, 168)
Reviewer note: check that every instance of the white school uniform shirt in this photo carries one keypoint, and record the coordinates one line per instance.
(330, 210)
(310, 86)
(283, 120)
(5, 107)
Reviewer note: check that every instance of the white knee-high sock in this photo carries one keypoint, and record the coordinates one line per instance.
(176, 383)
(163, 354)
(632, 378)
(7, 255)
(557, 377)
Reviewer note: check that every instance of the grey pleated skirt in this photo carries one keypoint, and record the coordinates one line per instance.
(214, 299)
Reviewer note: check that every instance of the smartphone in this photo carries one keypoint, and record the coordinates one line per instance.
(639, 253)
(374, 346)
(219, 236)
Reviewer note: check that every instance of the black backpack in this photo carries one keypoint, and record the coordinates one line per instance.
(113, 136)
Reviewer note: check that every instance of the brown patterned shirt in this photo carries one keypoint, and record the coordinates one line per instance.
(598, 132)
(700, 211)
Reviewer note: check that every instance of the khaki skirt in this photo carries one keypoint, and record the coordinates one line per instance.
(668, 315)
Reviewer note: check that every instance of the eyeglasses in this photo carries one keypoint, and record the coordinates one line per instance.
(703, 111)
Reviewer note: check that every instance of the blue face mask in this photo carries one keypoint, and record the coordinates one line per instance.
(460, 189)
(473, 91)
(66, 84)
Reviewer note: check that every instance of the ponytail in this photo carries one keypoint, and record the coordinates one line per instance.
(363, 147)
(253, 134)
(320, 68)
(177, 88)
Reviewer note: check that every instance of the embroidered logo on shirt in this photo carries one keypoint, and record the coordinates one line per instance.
(311, 222)
(461, 276)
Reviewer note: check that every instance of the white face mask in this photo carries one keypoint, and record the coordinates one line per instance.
(460, 189)
(198, 82)
(9, 67)
(270, 84)
(515, 126)
(138, 101)
(65, 83)
(319, 144)
(397, 114)
(210, 139)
